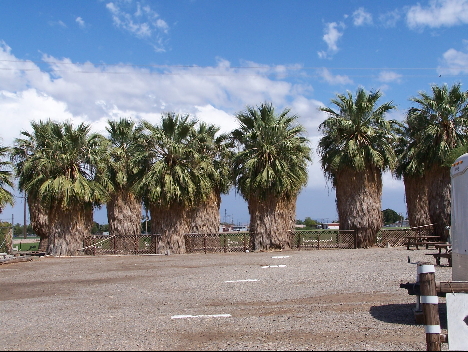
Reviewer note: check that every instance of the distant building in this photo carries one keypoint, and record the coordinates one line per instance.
(331, 226)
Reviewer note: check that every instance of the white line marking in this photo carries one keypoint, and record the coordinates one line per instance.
(274, 266)
(201, 316)
(281, 256)
(248, 280)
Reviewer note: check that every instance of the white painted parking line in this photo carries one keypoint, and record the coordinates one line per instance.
(274, 266)
(248, 280)
(281, 256)
(201, 316)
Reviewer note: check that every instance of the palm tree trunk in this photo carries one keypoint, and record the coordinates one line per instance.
(124, 216)
(39, 219)
(359, 203)
(205, 217)
(439, 199)
(417, 204)
(68, 229)
(172, 223)
(271, 222)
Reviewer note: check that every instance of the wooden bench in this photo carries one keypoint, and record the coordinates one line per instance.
(447, 247)
(437, 257)
(422, 240)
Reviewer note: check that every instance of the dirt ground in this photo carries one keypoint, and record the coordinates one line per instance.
(291, 300)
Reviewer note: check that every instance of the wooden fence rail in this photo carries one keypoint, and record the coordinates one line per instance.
(225, 242)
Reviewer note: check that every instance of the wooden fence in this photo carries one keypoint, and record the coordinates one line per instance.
(225, 242)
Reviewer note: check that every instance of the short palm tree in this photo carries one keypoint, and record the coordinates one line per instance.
(215, 154)
(124, 167)
(412, 173)
(6, 179)
(441, 121)
(174, 182)
(23, 152)
(356, 147)
(269, 170)
(61, 175)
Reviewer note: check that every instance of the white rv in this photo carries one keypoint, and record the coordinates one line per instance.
(459, 222)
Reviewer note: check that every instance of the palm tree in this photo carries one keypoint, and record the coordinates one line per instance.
(441, 122)
(356, 147)
(412, 173)
(175, 181)
(6, 179)
(269, 170)
(61, 175)
(125, 166)
(23, 152)
(215, 153)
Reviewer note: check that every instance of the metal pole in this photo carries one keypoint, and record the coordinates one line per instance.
(25, 235)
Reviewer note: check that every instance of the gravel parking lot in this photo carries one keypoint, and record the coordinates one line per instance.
(290, 300)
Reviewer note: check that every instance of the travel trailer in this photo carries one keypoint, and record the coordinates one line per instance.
(459, 222)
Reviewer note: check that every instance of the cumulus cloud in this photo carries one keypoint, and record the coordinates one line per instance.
(453, 62)
(390, 19)
(334, 79)
(440, 13)
(80, 22)
(331, 37)
(389, 76)
(139, 20)
(361, 17)
(94, 93)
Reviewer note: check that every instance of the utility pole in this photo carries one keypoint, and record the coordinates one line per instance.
(25, 235)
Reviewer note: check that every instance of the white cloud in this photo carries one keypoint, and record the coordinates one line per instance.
(440, 13)
(334, 79)
(19, 109)
(94, 93)
(390, 19)
(389, 76)
(361, 17)
(453, 63)
(57, 23)
(139, 20)
(80, 22)
(331, 37)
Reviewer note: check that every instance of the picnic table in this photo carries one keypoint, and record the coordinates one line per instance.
(445, 251)
(422, 240)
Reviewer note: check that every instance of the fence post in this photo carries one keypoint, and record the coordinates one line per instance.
(318, 241)
(430, 308)
(243, 240)
(204, 243)
(225, 244)
(355, 235)
(114, 245)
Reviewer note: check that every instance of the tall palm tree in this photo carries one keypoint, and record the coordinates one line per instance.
(175, 181)
(269, 170)
(412, 172)
(125, 166)
(23, 152)
(215, 154)
(441, 121)
(6, 179)
(61, 173)
(356, 147)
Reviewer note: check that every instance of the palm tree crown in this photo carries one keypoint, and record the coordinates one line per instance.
(6, 179)
(439, 122)
(357, 135)
(273, 155)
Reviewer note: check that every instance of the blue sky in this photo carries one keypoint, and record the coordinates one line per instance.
(101, 59)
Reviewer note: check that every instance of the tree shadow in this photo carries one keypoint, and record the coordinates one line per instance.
(404, 314)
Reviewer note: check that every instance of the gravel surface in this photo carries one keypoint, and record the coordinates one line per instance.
(290, 300)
